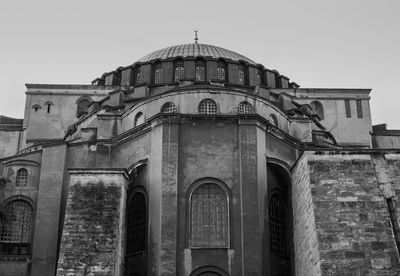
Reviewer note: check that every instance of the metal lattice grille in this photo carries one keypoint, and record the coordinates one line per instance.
(209, 216)
(179, 73)
(277, 224)
(221, 73)
(22, 178)
(200, 73)
(245, 108)
(241, 76)
(137, 218)
(17, 228)
(207, 107)
(158, 76)
(169, 108)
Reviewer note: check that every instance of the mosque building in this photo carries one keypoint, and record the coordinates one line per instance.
(196, 160)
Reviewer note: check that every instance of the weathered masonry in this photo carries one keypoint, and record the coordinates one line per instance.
(196, 160)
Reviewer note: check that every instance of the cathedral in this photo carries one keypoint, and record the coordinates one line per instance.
(196, 160)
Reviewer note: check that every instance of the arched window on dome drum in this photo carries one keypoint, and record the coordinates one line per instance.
(136, 224)
(245, 108)
(179, 73)
(277, 226)
(22, 178)
(138, 78)
(273, 120)
(16, 230)
(221, 73)
(200, 73)
(241, 76)
(139, 119)
(318, 109)
(158, 76)
(207, 107)
(169, 107)
(209, 225)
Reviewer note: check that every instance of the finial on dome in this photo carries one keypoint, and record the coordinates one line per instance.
(195, 36)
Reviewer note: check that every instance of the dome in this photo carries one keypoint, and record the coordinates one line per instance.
(195, 50)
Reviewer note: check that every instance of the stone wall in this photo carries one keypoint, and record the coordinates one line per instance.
(92, 235)
(352, 220)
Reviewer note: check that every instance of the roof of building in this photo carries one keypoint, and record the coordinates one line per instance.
(195, 50)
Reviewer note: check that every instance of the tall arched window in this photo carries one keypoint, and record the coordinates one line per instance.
(158, 73)
(245, 108)
(277, 226)
(48, 104)
(200, 70)
(169, 107)
(318, 109)
(138, 77)
(207, 107)
(209, 225)
(139, 119)
(221, 73)
(136, 224)
(241, 76)
(16, 231)
(179, 73)
(22, 178)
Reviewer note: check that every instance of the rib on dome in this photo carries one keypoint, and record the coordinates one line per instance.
(195, 50)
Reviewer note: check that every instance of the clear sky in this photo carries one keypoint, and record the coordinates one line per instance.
(316, 43)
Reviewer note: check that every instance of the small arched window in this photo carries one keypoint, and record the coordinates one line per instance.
(139, 119)
(221, 73)
(169, 107)
(318, 109)
(48, 104)
(273, 120)
(179, 73)
(207, 107)
(277, 224)
(245, 108)
(22, 178)
(36, 107)
(16, 230)
(137, 223)
(209, 225)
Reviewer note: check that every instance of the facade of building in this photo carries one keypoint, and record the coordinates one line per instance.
(195, 160)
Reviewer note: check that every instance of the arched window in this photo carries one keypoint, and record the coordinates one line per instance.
(22, 178)
(136, 224)
(179, 73)
(221, 73)
(138, 78)
(207, 107)
(318, 109)
(241, 76)
(273, 120)
(82, 106)
(16, 231)
(245, 108)
(258, 78)
(36, 107)
(277, 226)
(209, 225)
(169, 107)
(139, 119)
(158, 73)
(200, 73)
(48, 104)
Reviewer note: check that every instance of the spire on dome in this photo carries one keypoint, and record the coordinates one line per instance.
(196, 40)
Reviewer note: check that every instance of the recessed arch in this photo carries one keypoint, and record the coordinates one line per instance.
(139, 119)
(245, 108)
(169, 108)
(273, 120)
(318, 108)
(209, 271)
(82, 105)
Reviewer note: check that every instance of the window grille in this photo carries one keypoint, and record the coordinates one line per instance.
(139, 119)
(245, 108)
(348, 108)
(158, 76)
(207, 107)
(200, 73)
(137, 220)
(179, 73)
(221, 73)
(169, 108)
(277, 224)
(16, 229)
(209, 216)
(22, 178)
(359, 109)
(241, 76)
(138, 78)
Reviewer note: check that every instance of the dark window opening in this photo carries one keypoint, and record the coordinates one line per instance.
(348, 108)
(137, 220)
(277, 224)
(359, 109)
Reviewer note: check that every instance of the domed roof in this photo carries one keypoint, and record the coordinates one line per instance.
(195, 50)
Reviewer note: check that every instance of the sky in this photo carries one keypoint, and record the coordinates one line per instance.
(316, 43)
